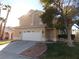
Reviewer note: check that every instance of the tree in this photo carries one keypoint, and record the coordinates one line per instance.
(3, 20)
(48, 16)
(62, 8)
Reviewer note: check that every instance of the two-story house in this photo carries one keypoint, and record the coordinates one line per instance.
(31, 27)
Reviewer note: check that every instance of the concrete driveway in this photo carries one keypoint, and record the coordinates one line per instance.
(12, 50)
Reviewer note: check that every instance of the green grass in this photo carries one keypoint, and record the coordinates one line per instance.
(61, 51)
(5, 42)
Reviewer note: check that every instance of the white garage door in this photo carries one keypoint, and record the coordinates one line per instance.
(32, 36)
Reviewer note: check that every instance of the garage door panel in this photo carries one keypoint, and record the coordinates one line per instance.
(32, 36)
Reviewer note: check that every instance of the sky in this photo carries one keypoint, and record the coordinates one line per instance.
(19, 8)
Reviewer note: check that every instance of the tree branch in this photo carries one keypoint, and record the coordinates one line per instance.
(67, 11)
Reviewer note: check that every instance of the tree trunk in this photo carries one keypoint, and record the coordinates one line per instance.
(69, 32)
(5, 24)
(1, 30)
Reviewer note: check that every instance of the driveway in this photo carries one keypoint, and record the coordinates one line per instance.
(13, 50)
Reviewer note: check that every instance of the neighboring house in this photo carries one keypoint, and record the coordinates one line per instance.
(8, 34)
(76, 33)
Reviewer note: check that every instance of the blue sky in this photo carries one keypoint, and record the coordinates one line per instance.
(19, 8)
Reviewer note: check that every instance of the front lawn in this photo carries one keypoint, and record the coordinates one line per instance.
(61, 51)
(5, 42)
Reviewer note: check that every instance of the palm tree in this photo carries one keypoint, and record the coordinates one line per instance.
(4, 20)
(1, 23)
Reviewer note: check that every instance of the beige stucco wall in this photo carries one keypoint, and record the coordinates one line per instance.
(25, 20)
(52, 33)
(16, 33)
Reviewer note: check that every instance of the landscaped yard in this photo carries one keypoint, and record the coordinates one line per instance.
(61, 51)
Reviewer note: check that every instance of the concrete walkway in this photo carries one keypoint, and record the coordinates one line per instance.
(13, 50)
